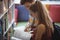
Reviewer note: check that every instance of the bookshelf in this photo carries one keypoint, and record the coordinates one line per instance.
(6, 19)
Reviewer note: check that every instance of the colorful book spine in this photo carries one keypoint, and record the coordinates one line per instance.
(1, 34)
(1, 7)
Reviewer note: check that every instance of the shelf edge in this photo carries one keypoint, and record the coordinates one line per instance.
(3, 14)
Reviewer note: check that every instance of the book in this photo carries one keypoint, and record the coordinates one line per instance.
(8, 35)
(6, 21)
(1, 34)
(9, 3)
(0, 26)
(12, 11)
(9, 16)
(5, 37)
(5, 4)
(1, 7)
(10, 32)
(1, 0)
(4, 24)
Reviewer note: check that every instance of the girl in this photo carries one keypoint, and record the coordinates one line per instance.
(42, 26)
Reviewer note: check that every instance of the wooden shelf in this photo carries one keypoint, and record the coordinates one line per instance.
(2, 14)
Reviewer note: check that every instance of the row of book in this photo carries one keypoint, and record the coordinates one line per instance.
(6, 22)
(4, 5)
(4, 27)
(1, 29)
(1, 6)
(10, 15)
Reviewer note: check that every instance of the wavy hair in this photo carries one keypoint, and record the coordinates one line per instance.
(42, 16)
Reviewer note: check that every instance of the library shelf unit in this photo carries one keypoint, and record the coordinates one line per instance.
(6, 19)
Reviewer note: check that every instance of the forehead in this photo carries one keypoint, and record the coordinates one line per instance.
(33, 2)
(31, 12)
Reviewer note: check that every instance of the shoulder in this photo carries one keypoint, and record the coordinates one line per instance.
(41, 26)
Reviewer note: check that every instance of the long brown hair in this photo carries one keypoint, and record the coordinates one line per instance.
(24, 1)
(37, 7)
(42, 15)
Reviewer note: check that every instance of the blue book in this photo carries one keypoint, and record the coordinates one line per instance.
(0, 26)
(1, 33)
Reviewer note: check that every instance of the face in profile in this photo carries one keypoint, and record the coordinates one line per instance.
(33, 14)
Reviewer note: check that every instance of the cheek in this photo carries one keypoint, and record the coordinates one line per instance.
(36, 15)
(32, 14)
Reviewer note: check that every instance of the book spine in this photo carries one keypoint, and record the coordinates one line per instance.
(1, 7)
(1, 34)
